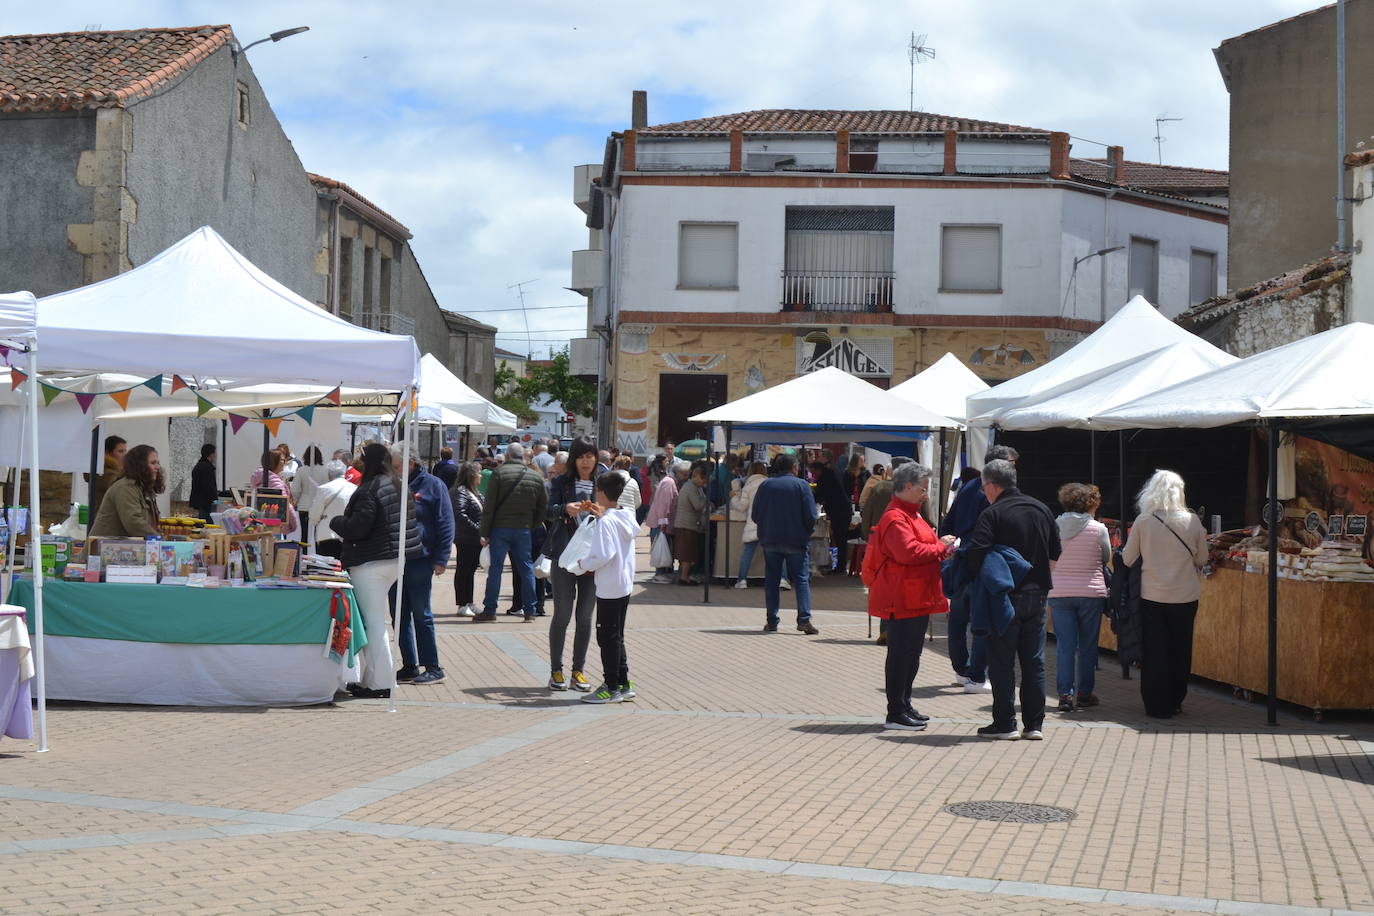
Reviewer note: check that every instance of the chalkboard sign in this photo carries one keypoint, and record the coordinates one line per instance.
(1335, 526)
(1356, 525)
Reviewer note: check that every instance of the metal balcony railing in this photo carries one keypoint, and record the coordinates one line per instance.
(388, 323)
(837, 290)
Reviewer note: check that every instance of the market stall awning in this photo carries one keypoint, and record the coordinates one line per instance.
(201, 307)
(440, 388)
(943, 387)
(829, 404)
(1167, 366)
(18, 318)
(1319, 376)
(1136, 330)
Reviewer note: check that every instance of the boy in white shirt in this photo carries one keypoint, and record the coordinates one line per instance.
(612, 558)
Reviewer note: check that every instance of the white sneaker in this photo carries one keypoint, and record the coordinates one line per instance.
(977, 687)
(741, 584)
(962, 682)
(466, 610)
(1032, 734)
(661, 579)
(785, 585)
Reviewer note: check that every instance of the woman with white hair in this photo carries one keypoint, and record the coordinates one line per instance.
(1171, 544)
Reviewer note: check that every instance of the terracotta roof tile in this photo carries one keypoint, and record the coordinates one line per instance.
(793, 120)
(75, 70)
(1151, 177)
(321, 181)
(1296, 282)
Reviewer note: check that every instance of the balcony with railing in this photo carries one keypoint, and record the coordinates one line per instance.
(837, 290)
(387, 323)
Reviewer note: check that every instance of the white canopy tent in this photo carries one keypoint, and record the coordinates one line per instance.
(1321, 377)
(829, 403)
(944, 387)
(440, 388)
(19, 332)
(202, 308)
(1136, 330)
(1171, 365)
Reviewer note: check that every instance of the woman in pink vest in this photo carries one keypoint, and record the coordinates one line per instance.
(1079, 595)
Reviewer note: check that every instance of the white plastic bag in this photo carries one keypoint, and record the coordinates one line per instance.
(661, 557)
(579, 546)
(484, 558)
(543, 566)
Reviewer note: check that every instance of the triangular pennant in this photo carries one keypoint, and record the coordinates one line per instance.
(236, 422)
(307, 413)
(203, 406)
(335, 397)
(17, 378)
(49, 393)
(5, 354)
(121, 398)
(85, 400)
(273, 424)
(178, 383)
(155, 383)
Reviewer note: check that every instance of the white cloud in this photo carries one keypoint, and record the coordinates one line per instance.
(464, 119)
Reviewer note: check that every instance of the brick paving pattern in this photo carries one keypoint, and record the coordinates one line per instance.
(747, 755)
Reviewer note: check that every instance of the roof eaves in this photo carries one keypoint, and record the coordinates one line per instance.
(389, 222)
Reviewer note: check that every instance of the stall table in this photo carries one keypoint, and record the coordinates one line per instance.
(16, 675)
(820, 547)
(177, 646)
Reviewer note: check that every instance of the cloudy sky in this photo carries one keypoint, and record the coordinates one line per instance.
(465, 119)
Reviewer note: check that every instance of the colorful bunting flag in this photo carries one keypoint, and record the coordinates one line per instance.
(17, 378)
(236, 422)
(155, 383)
(5, 354)
(85, 400)
(307, 413)
(49, 393)
(178, 383)
(335, 397)
(273, 424)
(203, 406)
(121, 398)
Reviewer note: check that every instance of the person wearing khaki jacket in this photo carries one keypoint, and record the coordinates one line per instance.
(129, 507)
(514, 505)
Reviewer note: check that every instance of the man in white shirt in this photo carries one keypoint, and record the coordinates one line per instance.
(612, 558)
(542, 460)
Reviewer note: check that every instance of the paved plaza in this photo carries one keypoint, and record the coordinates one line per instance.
(750, 776)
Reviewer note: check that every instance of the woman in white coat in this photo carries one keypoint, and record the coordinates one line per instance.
(741, 506)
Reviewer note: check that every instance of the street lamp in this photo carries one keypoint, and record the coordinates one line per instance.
(1073, 278)
(275, 36)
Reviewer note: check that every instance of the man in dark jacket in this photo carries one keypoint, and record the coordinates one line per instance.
(512, 508)
(968, 654)
(204, 488)
(785, 513)
(839, 511)
(433, 513)
(1027, 526)
(445, 469)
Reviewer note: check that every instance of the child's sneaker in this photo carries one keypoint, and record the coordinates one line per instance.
(557, 681)
(580, 682)
(627, 692)
(603, 694)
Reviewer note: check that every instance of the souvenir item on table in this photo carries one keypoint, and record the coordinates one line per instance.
(286, 560)
(92, 568)
(75, 572)
(123, 552)
(132, 575)
(236, 565)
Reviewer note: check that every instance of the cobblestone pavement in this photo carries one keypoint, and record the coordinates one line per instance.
(751, 775)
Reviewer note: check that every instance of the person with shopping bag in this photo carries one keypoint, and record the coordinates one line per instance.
(574, 596)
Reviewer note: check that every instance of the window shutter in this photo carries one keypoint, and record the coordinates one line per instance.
(1202, 276)
(1144, 267)
(971, 258)
(709, 255)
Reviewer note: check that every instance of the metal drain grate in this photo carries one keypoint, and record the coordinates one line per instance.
(1010, 812)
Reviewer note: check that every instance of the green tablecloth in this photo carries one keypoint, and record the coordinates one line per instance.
(177, 614)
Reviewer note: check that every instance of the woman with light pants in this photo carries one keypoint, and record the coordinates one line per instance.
(368, 528)
(574, 597)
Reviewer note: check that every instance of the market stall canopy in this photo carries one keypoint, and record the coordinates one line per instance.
(1144, 375)
(1319, 376)
(18, 317)
(202, 307)
(1137, 329)
(943, 387)
(829, 404)
(441, 388)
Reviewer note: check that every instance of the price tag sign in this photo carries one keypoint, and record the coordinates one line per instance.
(1335, 525)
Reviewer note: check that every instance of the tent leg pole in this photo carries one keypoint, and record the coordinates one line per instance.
(41, 674)
(729, 486)
(706, 560)
(1092, 456)
(224, 454)
(1121, 476)
(95, 467)
(404, 484)
(1273, 653)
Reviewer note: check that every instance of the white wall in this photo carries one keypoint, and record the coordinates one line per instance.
(1361, 302)
(1043, 230)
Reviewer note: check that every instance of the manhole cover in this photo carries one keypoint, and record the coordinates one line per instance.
(1010, 812)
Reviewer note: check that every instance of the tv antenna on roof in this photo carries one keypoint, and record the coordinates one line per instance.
(1159, 136)
(916, 52)
(520, 291)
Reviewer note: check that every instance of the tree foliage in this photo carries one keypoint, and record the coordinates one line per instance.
(554, 382)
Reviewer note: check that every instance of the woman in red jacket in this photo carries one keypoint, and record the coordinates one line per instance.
(902, 570)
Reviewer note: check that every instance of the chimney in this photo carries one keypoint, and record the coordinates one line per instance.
(639, 110)
(1059, 155)
(1116, 161)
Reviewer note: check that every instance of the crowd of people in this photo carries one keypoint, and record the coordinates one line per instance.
(999, 564)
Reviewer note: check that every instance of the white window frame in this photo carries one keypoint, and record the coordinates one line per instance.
(1130, 244)
(944, 282)
(681, 251)
(1212, 284)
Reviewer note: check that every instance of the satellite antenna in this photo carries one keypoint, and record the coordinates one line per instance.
(916, 52)
(1159, 136)
(520, 291)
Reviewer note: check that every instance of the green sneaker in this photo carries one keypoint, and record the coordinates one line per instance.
(627, 692)
(603, 694)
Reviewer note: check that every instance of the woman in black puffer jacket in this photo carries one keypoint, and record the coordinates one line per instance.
(467, 534)
(368, 528)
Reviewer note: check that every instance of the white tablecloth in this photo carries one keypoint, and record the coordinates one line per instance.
(16, 674)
